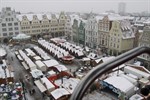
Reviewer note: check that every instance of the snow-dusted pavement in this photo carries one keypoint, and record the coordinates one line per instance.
(98, 96)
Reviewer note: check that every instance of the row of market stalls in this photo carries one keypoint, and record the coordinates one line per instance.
(73, 49)
(56, 51)
(133, 77)
(5, 72)
(49, 76)
(9, 89)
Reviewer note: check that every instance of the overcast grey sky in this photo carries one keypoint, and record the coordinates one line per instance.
(97, 6)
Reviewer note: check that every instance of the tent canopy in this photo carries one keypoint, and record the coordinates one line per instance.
(21, 36)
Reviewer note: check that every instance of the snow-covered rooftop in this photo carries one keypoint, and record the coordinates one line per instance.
(119, 84)
(68, 84)
(30, 16)
(50, 63)
(57, 93)
(36, 73)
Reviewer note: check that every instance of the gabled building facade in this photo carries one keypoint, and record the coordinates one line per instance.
(121, 37)
(75, 31)
(9, 24)
(104, 26)
(68, 28)
(91, 32)
(81, 32)
(62, 21)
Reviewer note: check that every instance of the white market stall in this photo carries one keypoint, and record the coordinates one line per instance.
(51, 63)
(41, 65)
(61, 68)
(115, 83)
(36, 73)
(68, 84)
(44, 85)
(60, 92)
(21, 37)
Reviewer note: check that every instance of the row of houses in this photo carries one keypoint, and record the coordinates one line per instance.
(37, 25)
(113, 33)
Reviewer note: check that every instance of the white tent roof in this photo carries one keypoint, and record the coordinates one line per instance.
(118, 82)
(21, 36)
(41, 87)
(106, 59)
(36, 73)
(39, 63)
(8, 72)
(61, 68)
(50, 63)
(48, 84)
(59, 93)
(138, 73)
(68, 84)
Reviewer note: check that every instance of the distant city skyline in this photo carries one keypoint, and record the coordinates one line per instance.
(97, 6)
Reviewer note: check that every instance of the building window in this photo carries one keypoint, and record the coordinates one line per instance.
(16, 33)
(114, 45)
(4, 34)
(6, 19)
(16, 28)
(12, 19)
(117, 46)
(9, 24)
(111, 44)
(15, 24)
(4, 29)
(3, 24)
(11, 33)
(10, 29)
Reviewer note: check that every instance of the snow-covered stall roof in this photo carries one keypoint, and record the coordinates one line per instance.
(48, 84)
(68, 84)
(28, 61)
(92, 56)
(136, 72)
(42, 53)
(36, 73)
(8, 72)
(59, 93)
(106, 59)
(50, 63)
(61, 68)
(30, 52)
(41, 87)
(113, 80)
(39, 63)
(51, 72)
